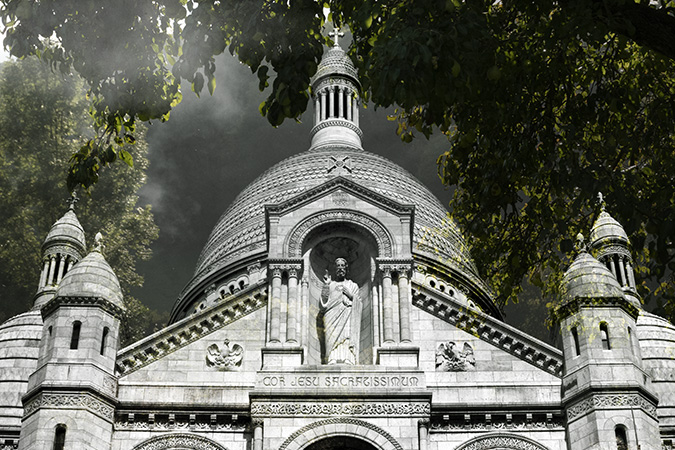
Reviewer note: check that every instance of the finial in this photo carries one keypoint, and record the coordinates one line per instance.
(580, 244)
(335, 34)
(98, 243)
(601, 201)
(73, 199)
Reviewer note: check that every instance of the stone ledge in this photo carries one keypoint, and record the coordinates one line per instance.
(489, 329)
(190, 329)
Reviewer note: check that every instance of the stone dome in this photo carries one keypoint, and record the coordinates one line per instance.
(66, 230)
(92, 277)
(607, 230)
(241, 230)
(588, 278)
(335, 62)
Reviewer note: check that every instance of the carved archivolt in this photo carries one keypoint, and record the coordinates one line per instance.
(376, 229)
(350, 427)
(179, 440)
(501, 441)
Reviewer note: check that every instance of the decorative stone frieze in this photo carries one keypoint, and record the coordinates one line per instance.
(171, 423)
(102, 303)
(69, 401)
(190, 329)
(610, 401)
(450, 359)
(501, 441)
(489, 329)
(318, 409)
(179, 440)
(355, 427)
(227, 358)
(515, 422)
(572, 306)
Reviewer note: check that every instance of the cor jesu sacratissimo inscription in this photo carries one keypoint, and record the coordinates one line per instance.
(339, 381)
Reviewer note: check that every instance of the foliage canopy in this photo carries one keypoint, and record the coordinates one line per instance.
(544, 103)
(43, 116)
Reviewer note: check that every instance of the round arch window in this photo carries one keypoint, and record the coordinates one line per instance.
(340, 443)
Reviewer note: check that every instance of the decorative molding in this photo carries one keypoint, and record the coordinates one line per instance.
(179, 425)
(335, 122)
(379, 232)
(179, 440)
(493, 422)
(285, 264)
(450, 359)
(191, 329)
(501, 441)
(99, 302)
(227, 359)
(395, 265)
(69, 401)
(377, 409)
(488, 329)
(573, 306)
(62, 249)
(362, 429)
(610, 401)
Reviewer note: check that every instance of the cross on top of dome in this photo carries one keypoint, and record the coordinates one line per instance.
(335, 34)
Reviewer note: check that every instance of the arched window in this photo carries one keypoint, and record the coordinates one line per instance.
(621, 439)
(575, 337)
(75, 337)
(104, 339)
(604, 336)
(60, 437)
(50, 331)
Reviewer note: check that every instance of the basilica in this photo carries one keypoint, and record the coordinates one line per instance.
(336, 306)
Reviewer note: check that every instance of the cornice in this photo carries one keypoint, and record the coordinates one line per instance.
(98, 302)
(190, 329)
(488, 329)
(573, 306)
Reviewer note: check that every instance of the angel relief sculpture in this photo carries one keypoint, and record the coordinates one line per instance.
(227, 358)
(450, 359)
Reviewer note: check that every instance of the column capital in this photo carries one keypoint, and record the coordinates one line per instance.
(285, 264)
(402, 267)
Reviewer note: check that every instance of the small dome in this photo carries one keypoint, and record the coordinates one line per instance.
(607, 230)
(92, 277)
(67, 230)
(336, 62)
(588, 278)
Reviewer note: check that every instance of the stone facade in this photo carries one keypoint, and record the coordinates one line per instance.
(242, 365)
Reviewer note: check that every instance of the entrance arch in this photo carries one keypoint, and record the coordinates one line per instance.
(330, 432)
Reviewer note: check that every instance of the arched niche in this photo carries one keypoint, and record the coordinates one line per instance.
(320, 248)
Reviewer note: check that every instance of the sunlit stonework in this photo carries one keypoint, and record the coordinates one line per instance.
(336, 306)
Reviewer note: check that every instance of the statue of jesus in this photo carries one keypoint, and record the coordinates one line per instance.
(339, 299)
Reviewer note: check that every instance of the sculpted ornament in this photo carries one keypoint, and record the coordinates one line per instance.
(229, 358)
(450, 359)
(179, 440)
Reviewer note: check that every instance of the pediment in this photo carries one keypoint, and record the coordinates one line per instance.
(340, 186)
(488, 329)
(190, 329)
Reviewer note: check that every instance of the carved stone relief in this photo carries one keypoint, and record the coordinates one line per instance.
(225, 359)
(450, 359)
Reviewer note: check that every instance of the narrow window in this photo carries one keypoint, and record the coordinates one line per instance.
(50, 331)
(621, 440)
(75, 338)
(575, 337)
(630, 340)
(104, 339)
(60, 437)
(604, 335)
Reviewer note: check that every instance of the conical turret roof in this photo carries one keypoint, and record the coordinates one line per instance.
(588, 278)
(66, 230)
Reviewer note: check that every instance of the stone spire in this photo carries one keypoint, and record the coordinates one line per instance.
(62, 248)
(335, 92)
(609, 243)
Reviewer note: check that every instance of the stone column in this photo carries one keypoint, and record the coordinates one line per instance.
(257, 434)
(275, 304)
(356, 111)
(323, 105)
(423, 427)
(619, 270)
(387, 307)
(404, 304)
(624, 272)
(52, 267)
(610, 265)
(305, 308)
(62, 266)
(631, 275)
(331, 102)
(71, 262)
(317, 110)
(43, 275)
(341, 102)
(293, 307)
(348, 108)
